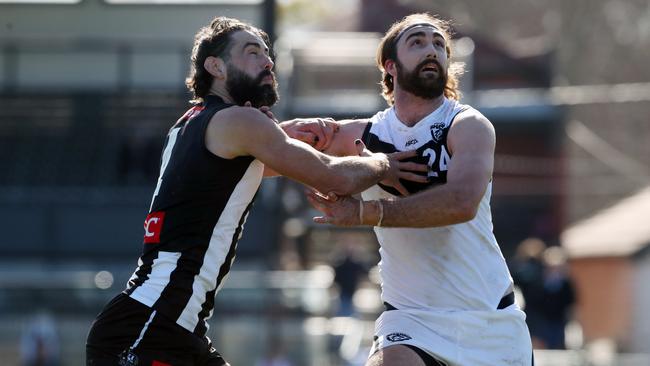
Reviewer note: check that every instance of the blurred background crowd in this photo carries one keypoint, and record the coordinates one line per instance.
(88, 89)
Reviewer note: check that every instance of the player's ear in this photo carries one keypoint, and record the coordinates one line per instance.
(390, 67)
(215, 66)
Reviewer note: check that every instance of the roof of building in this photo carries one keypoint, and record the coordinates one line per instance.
(618, 231)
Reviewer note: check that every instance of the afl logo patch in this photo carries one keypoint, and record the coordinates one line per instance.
(398, 337)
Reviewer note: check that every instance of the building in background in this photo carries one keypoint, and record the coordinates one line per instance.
(610, 264)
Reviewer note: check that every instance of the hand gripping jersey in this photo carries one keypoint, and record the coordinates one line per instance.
(196, 217)
(455, 267)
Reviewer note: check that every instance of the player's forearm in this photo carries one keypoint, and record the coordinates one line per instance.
(438, 206)
(358, 173)
(287, 125)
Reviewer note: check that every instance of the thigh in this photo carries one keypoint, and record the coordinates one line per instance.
(128, 333)
(114, 330)
(395, 356)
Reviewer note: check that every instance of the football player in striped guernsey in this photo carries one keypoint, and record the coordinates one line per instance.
(211, 167)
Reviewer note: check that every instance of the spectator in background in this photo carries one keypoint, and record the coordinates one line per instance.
(39, 344)
(528, 274)
(349, 271)
(275, 355)
(541, 275)
(558, 298)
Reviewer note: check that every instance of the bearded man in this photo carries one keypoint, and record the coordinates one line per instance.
(446, 288)
(211, 168)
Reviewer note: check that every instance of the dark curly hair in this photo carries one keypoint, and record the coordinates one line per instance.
(214, 40)
(387, 50)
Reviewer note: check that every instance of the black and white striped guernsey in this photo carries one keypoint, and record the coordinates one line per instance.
(196, 217)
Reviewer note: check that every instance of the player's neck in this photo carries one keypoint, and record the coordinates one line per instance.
(220, 91)
(410, 109)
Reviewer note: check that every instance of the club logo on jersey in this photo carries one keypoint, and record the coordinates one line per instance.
(398, 337)
(152, 227)
(436, 131)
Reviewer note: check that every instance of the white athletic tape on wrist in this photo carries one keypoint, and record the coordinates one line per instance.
(381, 212)
(360, 212)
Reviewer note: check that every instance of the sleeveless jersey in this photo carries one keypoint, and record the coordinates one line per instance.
(196, 217)
(457, 267)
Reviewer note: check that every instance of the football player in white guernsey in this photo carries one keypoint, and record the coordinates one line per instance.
(445, 284)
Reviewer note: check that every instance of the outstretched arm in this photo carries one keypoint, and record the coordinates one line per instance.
(240, 131)
(316, 132)
(471, 141)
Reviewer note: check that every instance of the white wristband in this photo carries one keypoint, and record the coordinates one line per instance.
(381, 212)
(360, 212)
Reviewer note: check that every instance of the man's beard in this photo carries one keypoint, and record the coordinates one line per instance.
(423, 87)
(243, 88)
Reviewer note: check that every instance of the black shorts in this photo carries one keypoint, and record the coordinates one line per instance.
(128, 333)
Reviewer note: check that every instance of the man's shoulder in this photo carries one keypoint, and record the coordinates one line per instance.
(232, 130)
(380, 123)
(382, 116)
(466, 111)
(471, 122)
(237, 114)
(246, 119)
